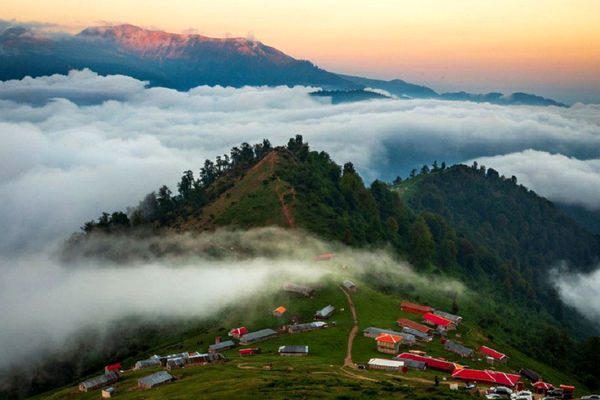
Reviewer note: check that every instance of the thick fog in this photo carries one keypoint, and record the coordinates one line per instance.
(581, 291)
(73, 146)
(555, 176)
(43, 301)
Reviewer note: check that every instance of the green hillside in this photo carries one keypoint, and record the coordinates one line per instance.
(462, 223)
(269, 375)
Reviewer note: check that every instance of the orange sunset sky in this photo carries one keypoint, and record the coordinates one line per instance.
(550, 47)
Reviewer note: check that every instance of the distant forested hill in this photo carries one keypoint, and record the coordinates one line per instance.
(526, 230)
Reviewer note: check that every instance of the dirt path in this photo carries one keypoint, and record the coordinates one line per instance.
(348, 360)
(286, 211)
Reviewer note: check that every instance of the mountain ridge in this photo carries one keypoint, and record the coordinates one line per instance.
(184, 61)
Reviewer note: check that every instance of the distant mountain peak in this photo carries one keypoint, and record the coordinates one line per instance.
(159, 44)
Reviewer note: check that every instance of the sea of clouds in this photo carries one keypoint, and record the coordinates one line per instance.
(72, 146)
(75, 145)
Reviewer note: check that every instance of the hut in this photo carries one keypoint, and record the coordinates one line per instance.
(454, 318)
(325, 312)
(413, 364)
(165, 359)
(487, 376)
(174, 363)
(350, 285)
(311, 326)
(542, 387)
(237, 332)
(279, 311)
(458, 348)
(431, 362)
(372, 332)
(323, 257)
(494, 354)
(384, 364)
(530, 374)
(294, 288)
(389, 344)
(438, 321)
(150, 362)
(257, 336)
(98, 382)
(221, 346)
(156, 379)
(415, 308)
(108, 392)
(204, 358)
(113, 367)
(423, 337)
(249, 352)
(293, 350)
(407, 323)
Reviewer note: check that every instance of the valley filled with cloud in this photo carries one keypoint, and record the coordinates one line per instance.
(76, 145)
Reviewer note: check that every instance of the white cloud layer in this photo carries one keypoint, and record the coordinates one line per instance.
(555, 176)
(581, 291)
(73, 146)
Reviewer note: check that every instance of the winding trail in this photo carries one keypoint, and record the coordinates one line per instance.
(286, 211)
(348, 360)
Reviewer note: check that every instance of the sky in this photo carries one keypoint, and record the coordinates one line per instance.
(550, 48)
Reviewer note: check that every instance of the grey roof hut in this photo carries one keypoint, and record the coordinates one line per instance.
(293, 350)
(418, 334)
(325, 312)
(458, 348)
(257, 336)
(348, 284)
(150, 362)
(311, 326)
(221, 346)
(373, 332)
(98, 382)
(154, 380)
(294, 288)
(454, 318)
(205, 358)
(413, 364)
(173, 363)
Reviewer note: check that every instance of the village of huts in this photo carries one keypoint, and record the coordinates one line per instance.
(377, 338)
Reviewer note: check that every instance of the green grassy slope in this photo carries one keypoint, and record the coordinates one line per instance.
(320, 374)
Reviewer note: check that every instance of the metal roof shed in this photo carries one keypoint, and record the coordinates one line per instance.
(214, 348)
(154, 380)
(258, 336)
(98, 382)
(293, 350)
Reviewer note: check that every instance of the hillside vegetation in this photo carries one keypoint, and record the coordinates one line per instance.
(462, 222)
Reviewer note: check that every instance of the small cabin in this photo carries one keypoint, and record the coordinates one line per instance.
(351, 286)
(221, 346)
(325, 312)
(98, 382)
(279, 311)
(249, 352)
(156, 379)
(258, 336)
(108, 392)
(389, 344)
(293, 350)
(385, 365)
(458, 348)
(415, 308)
